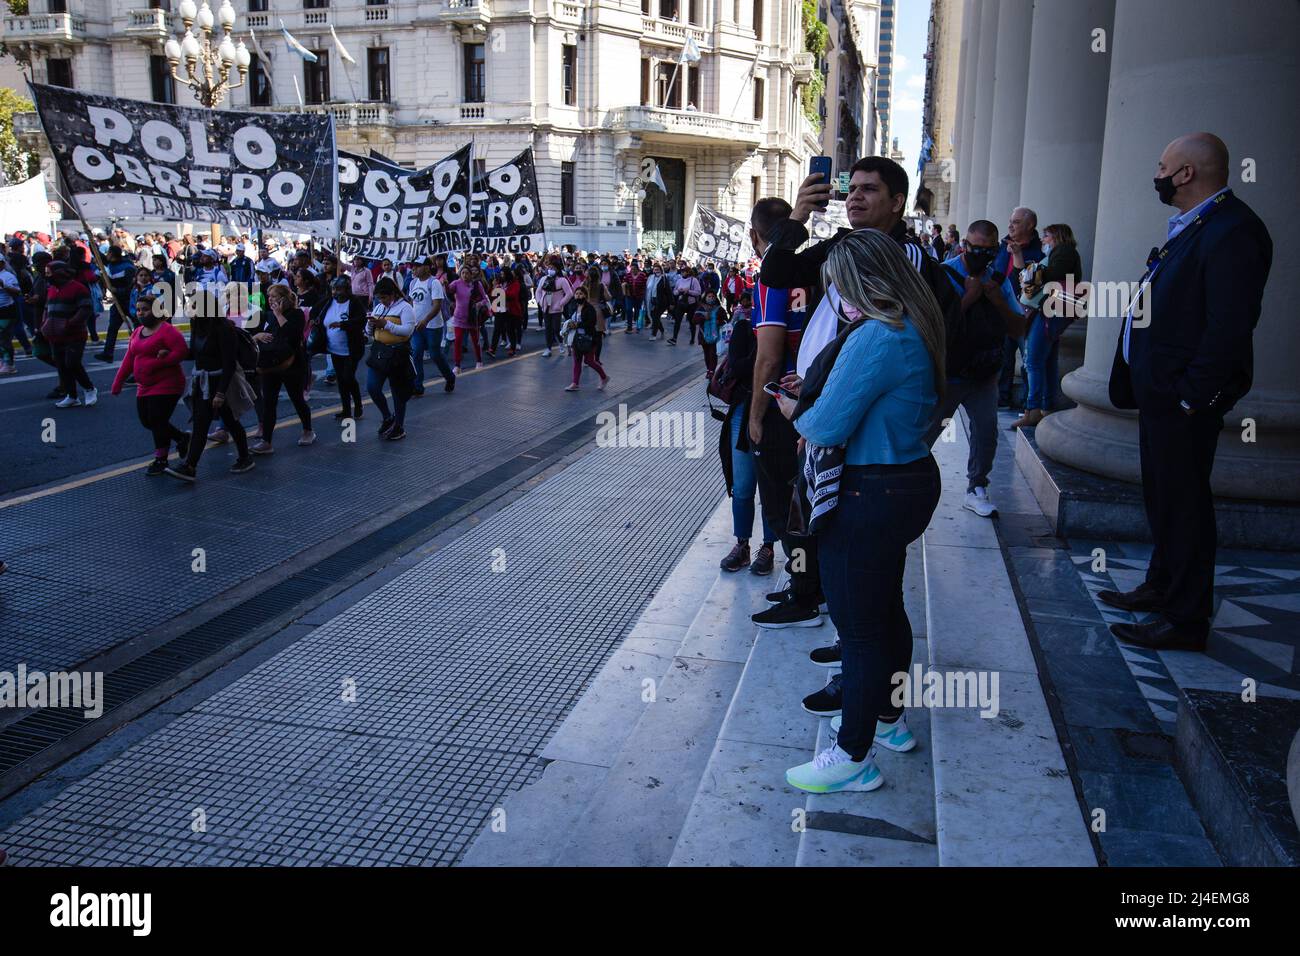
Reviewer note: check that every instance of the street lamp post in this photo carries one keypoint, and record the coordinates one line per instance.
(208, 67)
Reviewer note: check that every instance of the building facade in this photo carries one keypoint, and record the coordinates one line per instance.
(939, 113)
(849, 122)
(595, 87)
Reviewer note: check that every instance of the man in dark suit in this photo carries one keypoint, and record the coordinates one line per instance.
(1183, 362)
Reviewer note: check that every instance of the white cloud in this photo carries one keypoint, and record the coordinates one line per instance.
(906, 103)
(900, 62)
(915, 82)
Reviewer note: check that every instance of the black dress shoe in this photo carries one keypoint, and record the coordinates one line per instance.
(1161, 635)
(1142, 598)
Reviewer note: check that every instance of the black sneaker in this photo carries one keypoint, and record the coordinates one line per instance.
(451, 385)
(786, 596)
(56, 393)
(244, 464)
(736, 559)
(156, 467)
(826, 656)
(826, 702)
(182, 471)
(762, 563)
(331, 380)
(183, 446)
(787, 614)
(104, 356)
(396, 433)
(386, 426)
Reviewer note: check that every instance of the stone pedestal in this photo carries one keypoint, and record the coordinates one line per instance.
(1179, 69)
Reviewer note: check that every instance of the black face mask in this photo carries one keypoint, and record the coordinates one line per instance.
(1165, 187)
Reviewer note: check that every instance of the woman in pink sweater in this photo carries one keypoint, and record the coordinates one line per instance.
(154, 357)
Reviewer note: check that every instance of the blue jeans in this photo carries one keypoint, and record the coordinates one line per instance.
(400, 385)
(430, 340)
(1041, 366)
(631, 305)
(744, 482)
(862, 551)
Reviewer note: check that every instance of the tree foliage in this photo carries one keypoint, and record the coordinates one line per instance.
(816, 37)
(19, 165)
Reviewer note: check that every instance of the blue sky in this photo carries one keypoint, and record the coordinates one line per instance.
(912, 19)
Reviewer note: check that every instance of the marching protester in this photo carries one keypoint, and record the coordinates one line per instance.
(218, 389)
(710, 318)
(281, 363)
(426, 295)
(599, 298)
(686, 295)
(392, 323)
(68, 312)
(658, 298)
(469, 298)
(11, 292)
(154, 353)
(120, 279)
(865, 405)
(554, 293)
(585, 322)
(344, 322)
(634, 283)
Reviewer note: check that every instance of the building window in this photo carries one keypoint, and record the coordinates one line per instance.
(645, 7)
(567, 206)
(758, 19)
(377, 71)
(668, 9)
(693, 86)
(668, 85)
(160, 80)
(645, 81)
(569, 74)
(755, 187)
(315, 4)
(759, 86)
(254, 6)
(259, 81)
(316, 78)
(693, 11)
(475, 73)
(58, 72)
(57, 6)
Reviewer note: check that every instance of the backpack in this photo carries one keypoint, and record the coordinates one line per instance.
(975, 341)
(247, 351)
(733, 377)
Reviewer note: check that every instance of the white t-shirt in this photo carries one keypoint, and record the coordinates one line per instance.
(424, 295)
(337, 339)
(401, 319)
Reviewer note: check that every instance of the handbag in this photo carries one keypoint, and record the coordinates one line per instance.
(583, 341)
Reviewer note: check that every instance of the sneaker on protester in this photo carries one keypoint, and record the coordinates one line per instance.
(763, 559)
(787, 614)
(978, 501)
(827, 702)
(455, 370)
(242, 465)
(219, 435)
(261, 447)
(307, 438)
(736, 558)
(826, 656)
(895, 736)
(92, 397)
(68, 401)
(9, 369)
(546, 353)
(834, 771)
(785, 596)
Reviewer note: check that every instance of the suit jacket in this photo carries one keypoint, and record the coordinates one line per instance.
(1204, 303)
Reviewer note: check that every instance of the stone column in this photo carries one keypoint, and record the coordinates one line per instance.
(982, 117)
(1178, 68)
(1064, 127)
(970, 28)
(1010, 85)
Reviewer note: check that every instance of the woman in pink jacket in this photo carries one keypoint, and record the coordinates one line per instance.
(154, 355)
(554, 290)
(467, 295)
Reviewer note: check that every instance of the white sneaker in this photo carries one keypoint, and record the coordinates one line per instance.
(978, 501)
(68, 401)
(546, 353)
(479, 365)
(455, 370)
(832, 771)
(893, 736)
(92, 396)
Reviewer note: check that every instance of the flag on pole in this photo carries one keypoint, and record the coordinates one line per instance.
(295, 46)
(257, 47)
(338, 45)
(650, 173)
(691, 51)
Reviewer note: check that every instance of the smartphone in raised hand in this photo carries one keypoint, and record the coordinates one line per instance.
(821, 166)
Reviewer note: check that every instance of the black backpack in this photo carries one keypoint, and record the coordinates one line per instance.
(975, 339)
(247, 354)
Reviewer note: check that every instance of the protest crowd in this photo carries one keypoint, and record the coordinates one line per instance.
(835, 366)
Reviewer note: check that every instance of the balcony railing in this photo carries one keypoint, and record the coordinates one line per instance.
(670, 32)
(804, 64)
(465, 11)
(346, 114)
(147, 23)
(46, 28)
(566, 10)
(682, 124)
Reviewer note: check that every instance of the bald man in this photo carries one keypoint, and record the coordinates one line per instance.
(1183, 363)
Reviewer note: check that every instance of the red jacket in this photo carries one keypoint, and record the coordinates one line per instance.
(154, 375)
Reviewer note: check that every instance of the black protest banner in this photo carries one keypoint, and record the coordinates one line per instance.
(388, 212)
(823, 225)
(716, 236)
(129, 159)
(506, 212)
